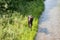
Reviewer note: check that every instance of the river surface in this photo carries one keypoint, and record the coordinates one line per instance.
(49, 22)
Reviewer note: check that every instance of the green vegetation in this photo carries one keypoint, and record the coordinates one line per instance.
(14, 18)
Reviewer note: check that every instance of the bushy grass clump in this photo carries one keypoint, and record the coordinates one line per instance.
(16, 27)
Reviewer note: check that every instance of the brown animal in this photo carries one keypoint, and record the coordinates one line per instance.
(30, 20)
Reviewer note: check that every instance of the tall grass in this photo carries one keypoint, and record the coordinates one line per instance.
(14, 26)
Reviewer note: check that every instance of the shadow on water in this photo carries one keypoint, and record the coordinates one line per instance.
(43, 30)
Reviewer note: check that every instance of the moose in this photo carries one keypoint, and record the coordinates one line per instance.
(30, 20)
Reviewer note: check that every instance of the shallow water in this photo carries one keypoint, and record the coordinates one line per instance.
(49, 4)
(49, 22)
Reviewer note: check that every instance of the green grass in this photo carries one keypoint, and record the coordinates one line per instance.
(14, 26)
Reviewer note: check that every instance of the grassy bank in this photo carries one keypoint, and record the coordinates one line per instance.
(14, 25)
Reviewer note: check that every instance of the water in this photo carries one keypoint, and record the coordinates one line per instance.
(49, 4)
(49, 23)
